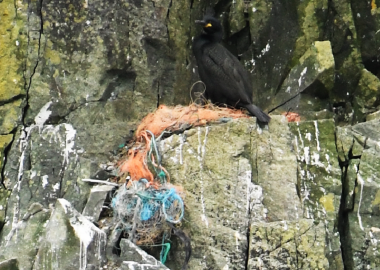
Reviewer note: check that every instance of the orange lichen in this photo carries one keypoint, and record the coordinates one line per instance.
(373, 5)
(292, 116)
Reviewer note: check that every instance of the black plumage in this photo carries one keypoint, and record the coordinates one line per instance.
(226, 80)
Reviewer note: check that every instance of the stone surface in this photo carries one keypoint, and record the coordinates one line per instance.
(94, 205)
(316, 67)
(345, 44)
(344, 142)
(368, 130)
(319, 179)
(137, 266)
(213, 166)
(133, 256)
(10, 115)
(4, 194)
(13, 46)
(5, 141)
(26, 227)
(274, 167)
(364, 215)
(367, 95)
(70, 241)
(288, 245)
(273, 29)
(76, 78)
(41, 168)
(373, 116)
(366, 16)
(9, 265)
(216, 165)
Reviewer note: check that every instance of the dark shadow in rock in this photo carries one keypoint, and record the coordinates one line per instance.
(373, 65)
(119, 77)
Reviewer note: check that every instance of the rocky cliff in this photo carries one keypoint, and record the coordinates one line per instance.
(78, 76)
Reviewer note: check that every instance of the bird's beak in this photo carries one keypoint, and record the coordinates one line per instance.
(200, 22)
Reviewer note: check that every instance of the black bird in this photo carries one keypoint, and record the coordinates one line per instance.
(226, 80)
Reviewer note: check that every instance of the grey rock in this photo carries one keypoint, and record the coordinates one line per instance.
(316, 66)
(10, 264)
(134, 255)
(98, 67)
(272, 27)
(26, 229)
(350, 142)
(138, 266)
(95, 202)
(319, 179)
(350, 183)
(288, 245)
(364, 218)
(10, 116)
(366, 19)
(41, 167)
(70, 241)
(213, 166)
(345, 44)
(373, 116)
(216, 165)
(368, 129)
(367, 95)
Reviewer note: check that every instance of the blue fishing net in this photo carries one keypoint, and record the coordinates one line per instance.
(144, 210)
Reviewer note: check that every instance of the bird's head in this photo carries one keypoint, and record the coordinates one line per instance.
(210, 25)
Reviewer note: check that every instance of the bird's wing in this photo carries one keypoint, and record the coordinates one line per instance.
(222, 64)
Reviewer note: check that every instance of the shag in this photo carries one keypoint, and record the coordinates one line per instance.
(226, 80)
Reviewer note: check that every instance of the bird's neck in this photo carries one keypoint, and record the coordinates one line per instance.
(213, 38)
(203, 41)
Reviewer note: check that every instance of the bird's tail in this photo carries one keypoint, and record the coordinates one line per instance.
(256, 111)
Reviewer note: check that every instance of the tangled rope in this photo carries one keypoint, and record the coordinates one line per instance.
(144, 206)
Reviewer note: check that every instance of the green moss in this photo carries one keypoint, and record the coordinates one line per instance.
(9, 115)
(179, 31)
(237, 20)
(5, 140)
(302, 241)
(4, 195)
(366, 95)
(310, 28)
(368, 89)
(328, 202)
(325, 59)
(12, 48)
(52, 55)
(376, 201)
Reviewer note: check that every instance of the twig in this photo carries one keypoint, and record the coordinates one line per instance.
(101, 182)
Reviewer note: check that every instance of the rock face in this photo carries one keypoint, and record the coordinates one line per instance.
(361, 183)
(77, 77)
(136, 258)
(225, 169)
(70, 241)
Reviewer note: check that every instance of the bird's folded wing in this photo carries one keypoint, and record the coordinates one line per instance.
(224, 65)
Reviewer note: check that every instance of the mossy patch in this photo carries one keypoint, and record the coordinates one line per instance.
(12, 50)
(51, 54)
(9, 115)
(376, 201)
(4, 195)
(5, 140)
(328, 202)
(311, 29)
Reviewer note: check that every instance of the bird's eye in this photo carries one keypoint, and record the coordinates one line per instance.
(208, 25)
